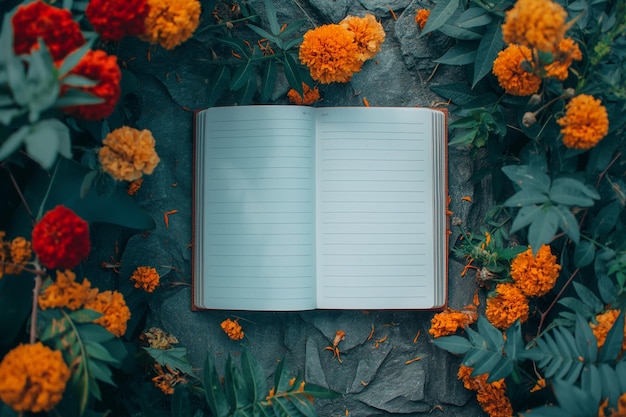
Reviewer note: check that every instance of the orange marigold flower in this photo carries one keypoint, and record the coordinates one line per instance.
(311, 95)
(368, 33)
(114, 19)
(167, 380)
(65, 292)
(585, 122)
(421, 17)
(509, 304)
(511, 75)
(146, 278)
(171, 22)
(491, 396)
(55, 26)
(331, 54)
(115, 313)
(535, 276)
(535, 23)
(103, 68)
(449, 321)
(33, 378)
(566, 52)
(604, 323)
(128, 153)
(61, 238)
(14, 255)
(232, 329)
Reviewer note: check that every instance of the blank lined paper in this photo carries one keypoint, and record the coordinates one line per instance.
(374, 208)
(259, 224)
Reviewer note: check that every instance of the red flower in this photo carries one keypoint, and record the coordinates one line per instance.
(97, 65)
(36, 20)
(61, 238)
(114, 19)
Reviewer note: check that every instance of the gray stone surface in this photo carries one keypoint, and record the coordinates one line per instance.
(373, 377)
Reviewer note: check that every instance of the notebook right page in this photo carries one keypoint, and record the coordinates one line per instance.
(375, 220)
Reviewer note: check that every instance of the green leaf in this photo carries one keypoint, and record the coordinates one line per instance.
(574, 400)
(610, 387)
(543, 228)
(246, 94)
(525, 197)
(487, 52)
(173, 357)
(268, 81)
(577, 306)
(584, 253)
(73, 58)
(605, 220)
(502, 369)
(525, 216)
(255, 375)
(528, 177)
(317, 391)
(235, 386)
(588, 297)
(94, 332)
(607, 289)
(513, 344)
(88, 180)
(74, 80)
(585, 339)
(270, 12)
(465, 138)
(293, 74)
(458, 93)
(219, 84)
(181, 403)
(97, 351)
(281, 382)
(84, 316)
(454, 344)
(13, 142)
(241, 77)
(572, 192)
(236, 45)
(613, 343)
(74, 97)
(460, 54)
(492, 335)
(100, 371)
(266, 35)
(474, 17)
(46, 139)
(213, 389)
(439, 15)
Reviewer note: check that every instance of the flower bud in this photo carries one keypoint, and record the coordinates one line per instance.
(569, 93)
(529, 119)
(534, 100)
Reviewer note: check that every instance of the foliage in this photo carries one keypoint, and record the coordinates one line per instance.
(546, 193)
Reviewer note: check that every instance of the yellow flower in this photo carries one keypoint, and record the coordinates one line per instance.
(449, 321)
(159, 339)
(232, 329)
(368, 33)
(511, 76)
(311, 95)
(128, 153)
(535, 276)
(508, 305)
(535, 23)
(491, 396)
(115, 313)
(331, 54)
(14, 255)
(604, 323)
(585, 122)
(171, 22)
(421, 17)
(33, 378)
(146, 278)
(65, 292)
(566, 52)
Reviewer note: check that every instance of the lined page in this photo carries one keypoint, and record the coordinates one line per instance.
(375, 208)
(258, 197)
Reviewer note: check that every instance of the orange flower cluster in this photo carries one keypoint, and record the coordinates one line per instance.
(14, 255)
(449, 321)
(621, 408)
(115, 19)
(507, 305)
(491, 396)
(537, 24)
(535, 276)
(531, 27)
(232, 329)
(146, 278)
(167, 380)
(604, 323)
(128, 153)
(311, 95)
(585, 122)
(33, 378)
(66, 293)
(61, 238)
(421, 17)
(159, 339)
(171, 22)
(55, 26)
(335, 52)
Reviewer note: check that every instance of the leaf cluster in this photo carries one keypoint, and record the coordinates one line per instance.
(251, 68)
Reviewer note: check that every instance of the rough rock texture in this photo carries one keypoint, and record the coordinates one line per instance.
(373, 377)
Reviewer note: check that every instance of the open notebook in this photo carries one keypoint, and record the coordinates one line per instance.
(301, 208)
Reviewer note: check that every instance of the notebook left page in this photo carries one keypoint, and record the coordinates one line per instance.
(255, 208)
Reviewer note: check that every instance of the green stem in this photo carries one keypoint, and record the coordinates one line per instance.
(83, 363)
(45, 197)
